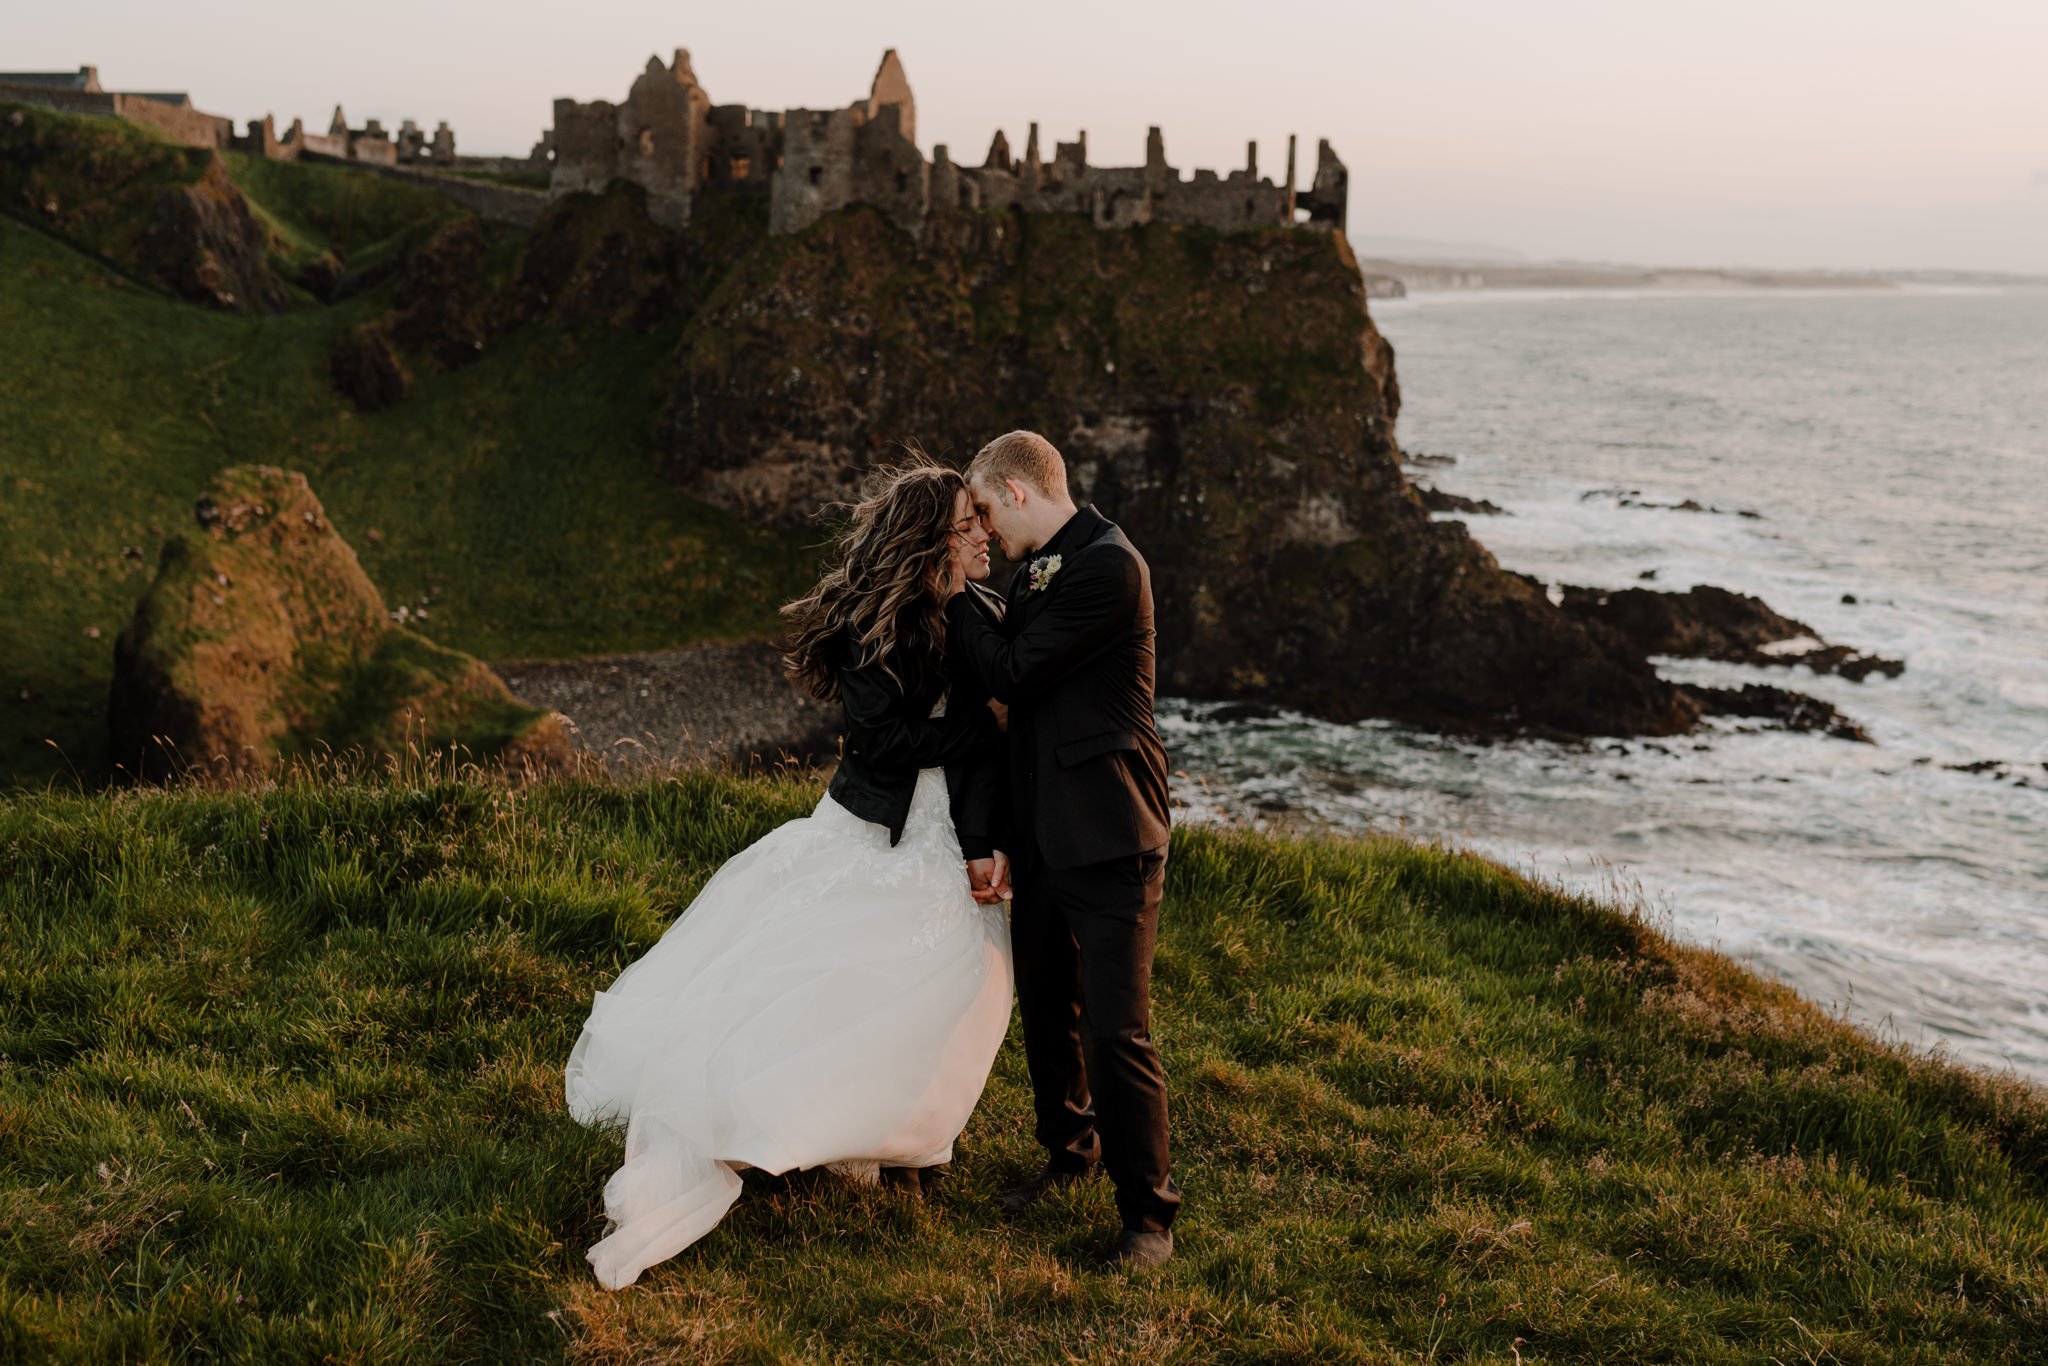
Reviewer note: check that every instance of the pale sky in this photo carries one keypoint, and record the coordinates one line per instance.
(1833, 133)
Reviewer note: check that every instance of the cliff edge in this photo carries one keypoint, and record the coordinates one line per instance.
(1224, 396)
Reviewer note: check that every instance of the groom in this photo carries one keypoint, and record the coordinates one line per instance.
(1073, 660)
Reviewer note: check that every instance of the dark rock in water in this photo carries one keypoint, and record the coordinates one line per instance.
(1633, 498)
(1647, 576)
(1427, 462)
(1244, 711)
(1224, 397)
(1848, 599)
(1791, 710)
(1712, 623)
(1436, 500)
(261, 638)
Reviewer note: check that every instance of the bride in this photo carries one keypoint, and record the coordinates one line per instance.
(837, 992)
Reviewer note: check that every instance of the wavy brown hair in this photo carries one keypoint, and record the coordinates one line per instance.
(891, 559)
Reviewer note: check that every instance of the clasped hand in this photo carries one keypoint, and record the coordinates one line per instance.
(989, 879)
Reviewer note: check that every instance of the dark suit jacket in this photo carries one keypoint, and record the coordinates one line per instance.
(1074, 661)
(891, 735)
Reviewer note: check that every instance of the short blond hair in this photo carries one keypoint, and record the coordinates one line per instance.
(1025, 457)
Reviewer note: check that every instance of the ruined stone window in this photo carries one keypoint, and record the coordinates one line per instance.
(704, 169)
(1251, 208)
(817, 175)
(741, 167)
(902, 181)
(646, 142)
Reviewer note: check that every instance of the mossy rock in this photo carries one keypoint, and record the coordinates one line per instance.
(168, 216)
(262, 638)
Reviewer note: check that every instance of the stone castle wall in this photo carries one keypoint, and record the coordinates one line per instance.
(669, 139)
(180, 123)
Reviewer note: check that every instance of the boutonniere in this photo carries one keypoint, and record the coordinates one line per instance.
(1040, 572)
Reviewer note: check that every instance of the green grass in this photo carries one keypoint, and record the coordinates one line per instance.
(519, 498)
(312, 209)
(280, 1080)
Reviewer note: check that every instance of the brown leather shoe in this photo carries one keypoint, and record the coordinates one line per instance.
(1038, 1187)
(1142, 1250)
(903, 1181)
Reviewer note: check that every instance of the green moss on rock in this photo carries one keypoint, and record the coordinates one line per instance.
(262, 637)
(168, 216)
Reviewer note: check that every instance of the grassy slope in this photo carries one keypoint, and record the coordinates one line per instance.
(280, 1080)
(521, 492)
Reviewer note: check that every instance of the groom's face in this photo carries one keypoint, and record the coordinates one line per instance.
(1004, 520)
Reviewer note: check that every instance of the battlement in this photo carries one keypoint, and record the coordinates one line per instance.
(672, 141)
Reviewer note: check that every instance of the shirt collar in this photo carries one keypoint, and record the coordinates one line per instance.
(1070, 532)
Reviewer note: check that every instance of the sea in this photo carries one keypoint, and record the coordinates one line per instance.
(1873, 463)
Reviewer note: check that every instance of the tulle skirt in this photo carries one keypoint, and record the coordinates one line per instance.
(827, 999)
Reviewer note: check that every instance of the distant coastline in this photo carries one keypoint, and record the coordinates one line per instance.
(1452, 275)
(1409, 276)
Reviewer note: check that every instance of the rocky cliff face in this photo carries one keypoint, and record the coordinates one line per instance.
(168, 216)
(1225, 397)
(262, 637)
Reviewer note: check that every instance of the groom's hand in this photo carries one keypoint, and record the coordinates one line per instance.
(999, 877)
(981, 880)
(1002, 714)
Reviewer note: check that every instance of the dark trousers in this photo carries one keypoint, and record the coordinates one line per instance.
(1082, 940)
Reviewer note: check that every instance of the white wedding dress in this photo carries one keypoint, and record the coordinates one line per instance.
(826, 999)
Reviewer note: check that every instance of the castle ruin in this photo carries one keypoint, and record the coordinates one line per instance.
(669, 138)
(174, 116)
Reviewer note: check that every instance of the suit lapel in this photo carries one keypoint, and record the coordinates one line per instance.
(1081, 531)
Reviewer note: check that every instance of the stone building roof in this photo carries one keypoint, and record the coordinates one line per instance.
(86, 78)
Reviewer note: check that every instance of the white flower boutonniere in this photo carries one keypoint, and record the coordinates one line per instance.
(1041, 571)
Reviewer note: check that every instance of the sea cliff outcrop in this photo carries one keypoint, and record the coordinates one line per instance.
(261, 637)
(1224, 396)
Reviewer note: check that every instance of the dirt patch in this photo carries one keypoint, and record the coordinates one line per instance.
(721, 703)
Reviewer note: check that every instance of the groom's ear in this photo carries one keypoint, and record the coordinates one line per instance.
(1018, 496)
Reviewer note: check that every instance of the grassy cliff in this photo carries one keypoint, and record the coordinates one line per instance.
(533, 417)
(280, 1080)
(518, 498)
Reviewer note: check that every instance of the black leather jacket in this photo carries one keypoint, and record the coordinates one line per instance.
(891, 735)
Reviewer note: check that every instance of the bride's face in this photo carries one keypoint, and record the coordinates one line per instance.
(970, 538)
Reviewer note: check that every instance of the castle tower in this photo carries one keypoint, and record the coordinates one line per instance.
(892, 87)
(998, 154)
(1328, 200)
(1158, 175)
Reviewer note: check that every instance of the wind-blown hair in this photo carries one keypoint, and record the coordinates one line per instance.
(891, 560)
